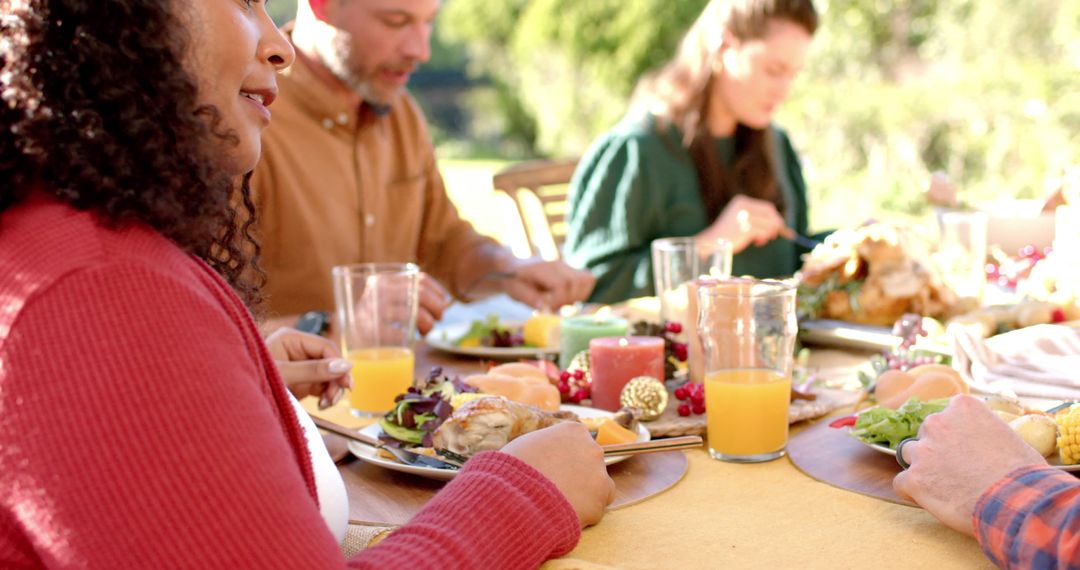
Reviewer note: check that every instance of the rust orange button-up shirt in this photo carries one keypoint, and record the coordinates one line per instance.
(340, 185)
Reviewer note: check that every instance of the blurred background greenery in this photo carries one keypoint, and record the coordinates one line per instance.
(987, 91)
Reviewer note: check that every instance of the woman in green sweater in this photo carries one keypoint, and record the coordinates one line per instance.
(698, 155)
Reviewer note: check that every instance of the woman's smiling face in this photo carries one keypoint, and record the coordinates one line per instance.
(234, 52)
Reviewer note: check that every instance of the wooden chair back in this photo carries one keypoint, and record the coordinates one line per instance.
(539, 189)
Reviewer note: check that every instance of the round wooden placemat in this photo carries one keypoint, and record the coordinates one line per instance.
(382, 496)
(832, 456)
(336, 446)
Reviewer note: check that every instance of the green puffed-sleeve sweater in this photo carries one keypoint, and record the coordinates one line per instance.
(636, 184)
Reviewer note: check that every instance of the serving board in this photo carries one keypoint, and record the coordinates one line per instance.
(382, 496)
(831, 456)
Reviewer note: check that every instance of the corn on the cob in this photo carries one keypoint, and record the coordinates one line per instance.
(1069, 439)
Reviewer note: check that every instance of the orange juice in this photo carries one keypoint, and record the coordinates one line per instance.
(747, 412)
(379, 375)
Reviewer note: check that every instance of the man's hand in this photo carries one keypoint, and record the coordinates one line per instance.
(432, 302)
(940, 191)
(960, 453)
(310, 365)
(549, 284)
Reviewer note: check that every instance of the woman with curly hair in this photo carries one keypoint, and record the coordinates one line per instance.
(698, 155)
(143, 421)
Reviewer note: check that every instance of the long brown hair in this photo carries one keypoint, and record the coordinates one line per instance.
(97, 109)
(678, 96)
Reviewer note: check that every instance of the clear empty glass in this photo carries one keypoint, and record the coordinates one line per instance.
(961, 254)
(676, 261)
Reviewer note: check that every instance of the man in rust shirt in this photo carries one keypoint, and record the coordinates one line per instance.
(348, 172)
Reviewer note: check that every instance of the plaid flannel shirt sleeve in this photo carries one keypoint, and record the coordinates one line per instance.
(1031, 519)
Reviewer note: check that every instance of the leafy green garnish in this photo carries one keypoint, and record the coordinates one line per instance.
(488, 332)
(885, 426)
(422, 409)
(479, 329)
(811, 299)
(403, 434)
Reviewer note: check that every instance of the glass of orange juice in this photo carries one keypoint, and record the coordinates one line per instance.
(747, 330)
(376, 312)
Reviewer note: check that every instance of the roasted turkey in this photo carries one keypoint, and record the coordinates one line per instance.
(489, 423)
(873, 275)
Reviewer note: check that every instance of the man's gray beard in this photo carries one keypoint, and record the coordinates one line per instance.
(335, 56)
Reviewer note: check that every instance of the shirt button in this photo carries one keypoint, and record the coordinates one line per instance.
(328, 124)
(343, 119)
(369, 219)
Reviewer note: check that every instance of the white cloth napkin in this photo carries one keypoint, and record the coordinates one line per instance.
(333, 498)
(1042, 361)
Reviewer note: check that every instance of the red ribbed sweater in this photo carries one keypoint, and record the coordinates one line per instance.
(143, 424)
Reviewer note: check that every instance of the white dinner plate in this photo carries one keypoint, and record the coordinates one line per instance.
(443, 337)
(368, 454)
(1054, 460)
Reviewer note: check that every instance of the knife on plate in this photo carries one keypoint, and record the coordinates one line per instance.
(616, 450)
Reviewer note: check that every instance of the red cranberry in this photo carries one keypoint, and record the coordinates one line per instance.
(697, 398)
(1058, 316)
(564, 387)
(699, 409)
(579, 374)
(564, 376)
(684, 410)
(673, 328)
(680, 393)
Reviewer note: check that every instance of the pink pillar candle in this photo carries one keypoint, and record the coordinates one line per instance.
(617, 360)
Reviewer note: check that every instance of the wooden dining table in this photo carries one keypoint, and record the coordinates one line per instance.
(727, 515)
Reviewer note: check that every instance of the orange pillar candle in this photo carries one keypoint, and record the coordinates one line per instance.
(617, 360)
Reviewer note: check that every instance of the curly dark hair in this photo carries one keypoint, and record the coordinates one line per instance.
(97, 108)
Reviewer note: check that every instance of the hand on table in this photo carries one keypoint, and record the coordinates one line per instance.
(549, 285)
(960, 453)
(746, 221)
(384, 305)
(310, 365)
(568, 456)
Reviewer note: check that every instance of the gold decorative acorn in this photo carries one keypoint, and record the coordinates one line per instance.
(647, 394)
(582, 362)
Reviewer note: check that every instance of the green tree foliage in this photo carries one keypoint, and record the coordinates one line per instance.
(986, 90)
(982, 90)
(282, 11)
(571, 64)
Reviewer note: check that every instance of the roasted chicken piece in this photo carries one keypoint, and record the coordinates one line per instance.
(490, 423)
(874, 275)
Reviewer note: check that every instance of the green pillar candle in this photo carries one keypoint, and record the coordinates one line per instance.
(576, 332)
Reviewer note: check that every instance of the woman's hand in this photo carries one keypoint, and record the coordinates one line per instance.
(746, 221)
(568, 456)
(310, 365)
